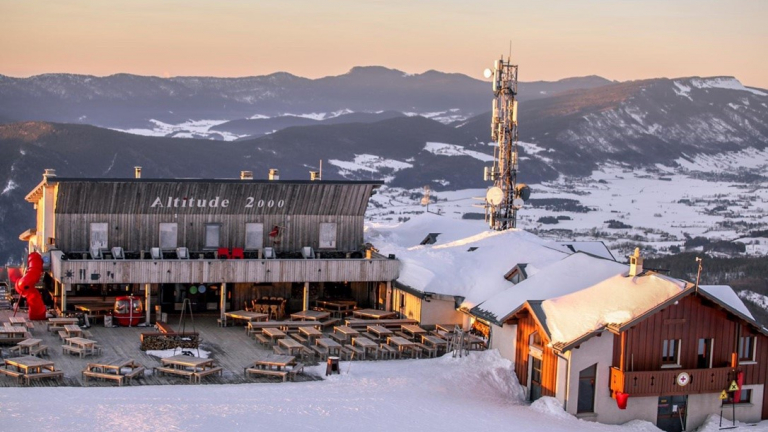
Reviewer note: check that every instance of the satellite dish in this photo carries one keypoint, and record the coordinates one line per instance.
(517, 203)
(487, 73)
(494, 195)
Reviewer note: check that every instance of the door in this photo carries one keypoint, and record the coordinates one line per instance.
(704, 354)
(535, 378)
(586, 401)
(671, 415)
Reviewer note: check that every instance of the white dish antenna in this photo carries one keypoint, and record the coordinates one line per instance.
(517, 203)
(494, 195)
(487, 73)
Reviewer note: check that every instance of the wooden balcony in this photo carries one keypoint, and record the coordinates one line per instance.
(663, 382)
(111, 271)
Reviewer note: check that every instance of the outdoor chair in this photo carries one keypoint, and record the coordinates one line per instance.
(96, 253)
(238, 253)
(307, 252)
(118, 253)
(182, 253)
(223, 253)
(269, 253)
(156, 253)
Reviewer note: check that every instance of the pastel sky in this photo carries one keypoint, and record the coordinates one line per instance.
(551, 39)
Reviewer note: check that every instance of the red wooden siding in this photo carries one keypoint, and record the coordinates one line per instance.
(526, 326)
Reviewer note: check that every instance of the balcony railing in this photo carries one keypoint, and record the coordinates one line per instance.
(112, 271)
(664, 382)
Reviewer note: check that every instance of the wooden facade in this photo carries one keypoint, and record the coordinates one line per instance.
(527, 326)
(637, 352)
(133, 210)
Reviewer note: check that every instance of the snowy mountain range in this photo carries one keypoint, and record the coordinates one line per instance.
(584, 143)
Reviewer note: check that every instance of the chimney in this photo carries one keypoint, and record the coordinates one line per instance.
(49, 172)
(635, 263)
(137, 172)
(274, 174)
(246, 175)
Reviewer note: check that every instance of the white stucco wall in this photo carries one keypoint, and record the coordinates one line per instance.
(440, 312)
(504, 339)
(701, 406)
(561, 387)
(599, 350)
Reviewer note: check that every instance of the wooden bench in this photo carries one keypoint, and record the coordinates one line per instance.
(102, 375)
(350, 352)
(63, 335)
(257, 371)
(199, 375)
(403, 335)
(295, 370)
(342, 339)
(387, 351)
(173, 371)
(262, 339)
(53, 374)
(431, 351)
(307, 354)
(40, 350)
(280, 350)
(29, 325)
(414, 351)
(12, 373)
(15, 349)
(135, 373)
(329, 323)
(321, 351)
(69, 349)
(299, 338)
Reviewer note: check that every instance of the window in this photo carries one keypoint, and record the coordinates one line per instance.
(704, 354)
(99, 235)
(168, 236)
(254, 236)
(747, 348)
(212, 236)
(327, 236)
(670, 352)
(746, 397)
(535, 340)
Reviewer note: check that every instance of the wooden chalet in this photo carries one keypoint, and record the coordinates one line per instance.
(671, 357)
(218, 242)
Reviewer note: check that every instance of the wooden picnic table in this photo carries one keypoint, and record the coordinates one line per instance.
(379, 331)
(247, 316)
(346, 331)
(336, 305)
(448, 328)
(184, 362)
(274, 361)
(310, 332)
(17, 320)
(366, 344)
(434, 341)
(27, 345)
(273, 333)
(12, 332)
(81, 346)
(310, 315)
(114, 370)
(293, 346)
(333, 347)
(391, 322)
(400, 342)
(29, 364)
(73, 330)
(373, 313)
(60, 322)
(413, 330)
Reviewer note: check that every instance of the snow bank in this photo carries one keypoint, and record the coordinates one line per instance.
(551, 407)
(754, 297)
(171, 352)
(729, 83)
(455, 150)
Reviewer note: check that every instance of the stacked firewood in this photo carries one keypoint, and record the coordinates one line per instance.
(163, 341)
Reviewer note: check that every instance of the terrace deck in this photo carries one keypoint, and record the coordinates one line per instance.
(230, 347)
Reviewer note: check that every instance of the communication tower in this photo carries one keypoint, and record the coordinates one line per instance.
(506, 196)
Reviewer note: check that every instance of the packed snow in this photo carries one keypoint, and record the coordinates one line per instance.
(477, 392)
(729, 83)
(756, 298)
(455, 150)
(369, 163)
(188, 129)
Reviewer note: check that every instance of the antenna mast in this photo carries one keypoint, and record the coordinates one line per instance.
(505, 197)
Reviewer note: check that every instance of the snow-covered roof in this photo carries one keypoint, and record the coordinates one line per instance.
(616, 300)
(596, 248)
(728, 296)
(560, 278)
(448, 267)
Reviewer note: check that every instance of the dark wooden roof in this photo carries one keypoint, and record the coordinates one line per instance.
(151, 196)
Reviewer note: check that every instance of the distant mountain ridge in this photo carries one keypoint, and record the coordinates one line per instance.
(126, 101)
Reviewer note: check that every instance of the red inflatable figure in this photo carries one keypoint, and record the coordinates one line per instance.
(26, 287)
